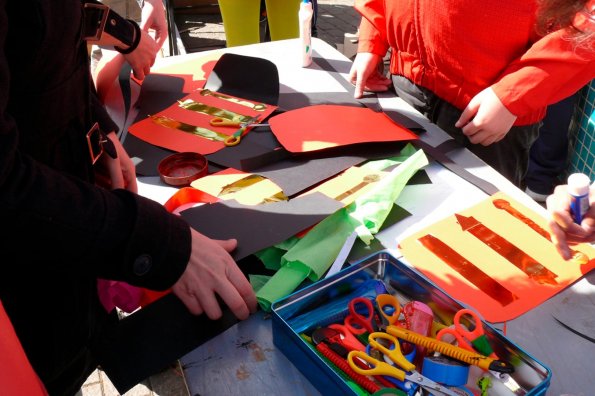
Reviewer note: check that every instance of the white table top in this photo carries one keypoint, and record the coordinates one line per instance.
(243, 360)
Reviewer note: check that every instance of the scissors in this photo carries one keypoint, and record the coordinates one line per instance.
(389, 308)
(348, 340)
(474, 341)
(220, 121)
(362, 316)
(235, 139)
(379, 341)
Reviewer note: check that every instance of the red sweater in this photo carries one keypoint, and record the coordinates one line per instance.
(457, 48)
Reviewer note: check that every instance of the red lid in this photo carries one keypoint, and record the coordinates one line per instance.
(181, 169)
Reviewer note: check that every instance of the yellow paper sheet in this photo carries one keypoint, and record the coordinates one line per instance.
(254, 194)
(350, 184)
(526, 291)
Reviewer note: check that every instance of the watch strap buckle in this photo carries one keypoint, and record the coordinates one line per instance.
(98, 143)
(95, 18)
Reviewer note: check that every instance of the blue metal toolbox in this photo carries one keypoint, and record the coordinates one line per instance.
(295, 317)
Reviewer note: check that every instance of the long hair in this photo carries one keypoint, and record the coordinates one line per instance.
(572, 15)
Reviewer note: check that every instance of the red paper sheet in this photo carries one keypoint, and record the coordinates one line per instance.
(180, 141)
(321, 127)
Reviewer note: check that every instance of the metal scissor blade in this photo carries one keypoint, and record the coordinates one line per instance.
(509, 382)
(425, 382)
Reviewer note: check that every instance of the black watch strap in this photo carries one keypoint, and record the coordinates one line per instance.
(99, 18)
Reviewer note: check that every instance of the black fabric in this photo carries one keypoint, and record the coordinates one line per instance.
(244, 77)
(148, 340)
(510, 156)
(59, 231)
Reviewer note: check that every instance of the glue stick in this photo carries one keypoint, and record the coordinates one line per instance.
(305, 15)
(578, 188)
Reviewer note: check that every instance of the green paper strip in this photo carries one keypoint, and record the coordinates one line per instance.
(370, 210)
(271, 257)
(286, 280)
(258, 281)
(313, 254)
(320, 246)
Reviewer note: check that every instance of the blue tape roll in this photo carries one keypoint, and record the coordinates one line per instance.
(445, 371)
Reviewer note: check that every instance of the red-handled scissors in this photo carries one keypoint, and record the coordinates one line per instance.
(473, 340)
(349, 341)
(361, 317)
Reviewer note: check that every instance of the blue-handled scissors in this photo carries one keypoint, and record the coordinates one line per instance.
(388, 345)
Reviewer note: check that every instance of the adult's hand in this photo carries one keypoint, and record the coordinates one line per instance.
(564, 230)
(485, 120)
(365, 76)
(153, 18)
(143, 56)
(119, 172)
(211, 271)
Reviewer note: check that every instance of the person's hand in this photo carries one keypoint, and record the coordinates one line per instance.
(365, 76)
(143, 56)
(485, 120)
(211, 271)
(564, 230)
(117, 172)
(153, 18)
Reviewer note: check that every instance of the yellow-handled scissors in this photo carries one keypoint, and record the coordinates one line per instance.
(388, 345)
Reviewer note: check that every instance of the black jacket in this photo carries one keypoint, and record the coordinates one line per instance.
(59, 232)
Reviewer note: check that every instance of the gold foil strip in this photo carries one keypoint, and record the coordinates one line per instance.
(279, 197)
(505, 205)
(253, 106)
(578, 257)
(239, 185)
(510, 252)
(367, 180)
(468, 270)
(190, 104)
(193, 129)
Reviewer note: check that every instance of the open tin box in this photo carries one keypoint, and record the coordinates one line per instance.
(320, 304)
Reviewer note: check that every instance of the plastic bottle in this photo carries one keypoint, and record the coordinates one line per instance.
(305, 20)
(578, 188)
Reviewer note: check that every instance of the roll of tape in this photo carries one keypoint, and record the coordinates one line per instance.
(445, 371)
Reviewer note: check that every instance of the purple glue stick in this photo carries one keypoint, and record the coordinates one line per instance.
(578, 188)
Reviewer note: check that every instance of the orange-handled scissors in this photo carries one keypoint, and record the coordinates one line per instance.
(235, 139)
(220, 121)
(474, 340)
(389, 307)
